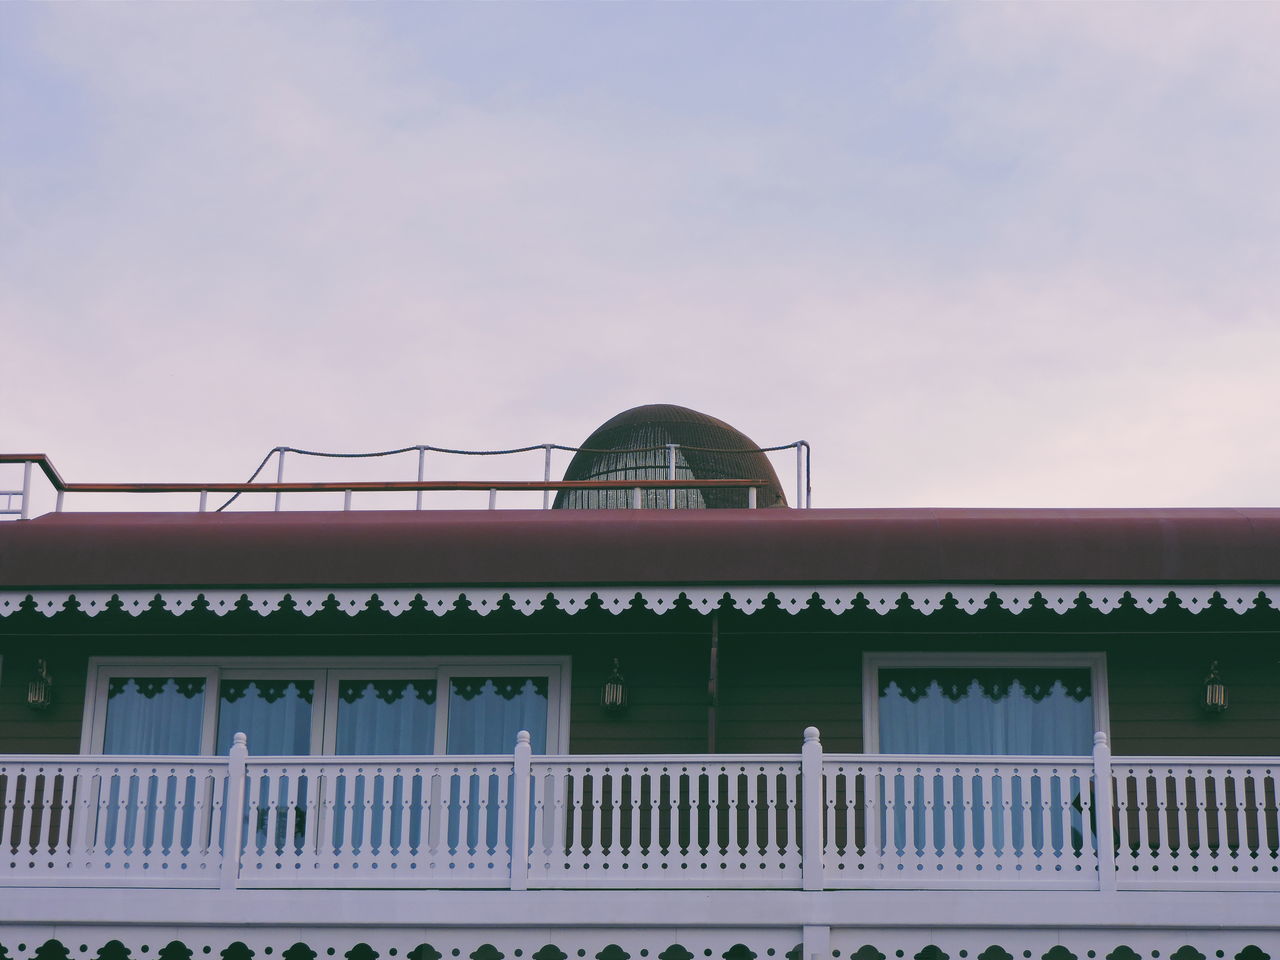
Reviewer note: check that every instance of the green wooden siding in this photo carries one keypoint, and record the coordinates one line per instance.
(777, 676)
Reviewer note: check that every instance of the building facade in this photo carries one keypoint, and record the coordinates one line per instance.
(620, 734)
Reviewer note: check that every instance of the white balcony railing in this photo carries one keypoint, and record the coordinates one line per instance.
(804, 821)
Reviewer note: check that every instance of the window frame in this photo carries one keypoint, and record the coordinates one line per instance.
(327, 673)
(874, 661)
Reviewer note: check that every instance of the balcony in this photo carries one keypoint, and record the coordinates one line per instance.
(806, 821)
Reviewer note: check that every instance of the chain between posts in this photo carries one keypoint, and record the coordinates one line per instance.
(279, 488)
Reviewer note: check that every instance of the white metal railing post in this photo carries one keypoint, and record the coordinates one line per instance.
(493, 498)
(280, 477)
(811, 850)
(799, 476)
(346, 499)
(204, 501)
(26, 490)
(546, 476)
(751, 498)
(808, 477)
(57, 505)
(233, 812)
(422, 473)
(1103, 805)
(671, 474)
(636, 500)
(521, 811)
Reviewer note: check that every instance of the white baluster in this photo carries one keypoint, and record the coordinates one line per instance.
(614, 773)
(675, 787)
(1120, 801)
(1183, 820)
(947, 844)
(634, 782)
(1200, 779)
(1164, 849)
(83, 827)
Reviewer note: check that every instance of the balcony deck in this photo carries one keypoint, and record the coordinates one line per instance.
(804, 821)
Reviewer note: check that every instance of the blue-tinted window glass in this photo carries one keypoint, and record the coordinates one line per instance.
(274, 714)
(998, 710)
(486, 713)
(386, 716)
(157, 716)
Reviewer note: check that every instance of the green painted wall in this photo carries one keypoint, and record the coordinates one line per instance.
(778, 674)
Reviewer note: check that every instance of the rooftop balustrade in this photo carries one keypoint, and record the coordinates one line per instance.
(805, 821)
(16, 502)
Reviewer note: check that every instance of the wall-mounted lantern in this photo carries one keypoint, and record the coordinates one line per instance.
(1215, 691)
(613, 695)
(40, 689)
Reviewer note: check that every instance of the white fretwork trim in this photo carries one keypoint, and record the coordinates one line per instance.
(643, 924)
(882, 598)
(22, 941)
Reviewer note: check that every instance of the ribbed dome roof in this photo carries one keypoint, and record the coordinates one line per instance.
(633, 446)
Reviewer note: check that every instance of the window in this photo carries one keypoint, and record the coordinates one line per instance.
(188, 707)
(983, 703)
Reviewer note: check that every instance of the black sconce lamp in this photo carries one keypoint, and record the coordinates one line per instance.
(40, 689)
(613, 695)
(1215, 691)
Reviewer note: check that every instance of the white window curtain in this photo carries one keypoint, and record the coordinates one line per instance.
(389, 716)
(1010, 711)
(275, 714)
(154, 716)
(486, 713)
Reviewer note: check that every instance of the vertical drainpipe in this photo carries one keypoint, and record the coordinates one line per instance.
(713, 683)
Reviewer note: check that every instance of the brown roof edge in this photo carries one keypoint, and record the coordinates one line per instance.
(139, 550)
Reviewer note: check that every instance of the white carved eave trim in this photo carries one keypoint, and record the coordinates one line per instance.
(882, 598)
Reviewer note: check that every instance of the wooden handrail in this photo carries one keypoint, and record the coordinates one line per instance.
(42, 461)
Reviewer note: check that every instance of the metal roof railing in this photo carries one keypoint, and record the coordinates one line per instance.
(420, 485)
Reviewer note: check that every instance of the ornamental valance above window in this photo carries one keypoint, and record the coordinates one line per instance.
(992, 683)
(150, 687)
(389, 691)
(508, 688)
(269, 692)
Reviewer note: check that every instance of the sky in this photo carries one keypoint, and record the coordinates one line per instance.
(976, 255)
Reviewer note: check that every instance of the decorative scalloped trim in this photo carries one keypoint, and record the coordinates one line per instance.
(528, 600)
(483, 942)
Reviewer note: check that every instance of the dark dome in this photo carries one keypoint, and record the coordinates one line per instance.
(633, 446)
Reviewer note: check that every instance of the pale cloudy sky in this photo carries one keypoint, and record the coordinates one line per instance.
(977, 255)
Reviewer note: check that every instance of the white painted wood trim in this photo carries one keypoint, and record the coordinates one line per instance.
(873, 660)
(792, 598)
(349, 916)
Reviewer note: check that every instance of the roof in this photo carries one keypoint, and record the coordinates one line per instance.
(633, 445)
(559, 547)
